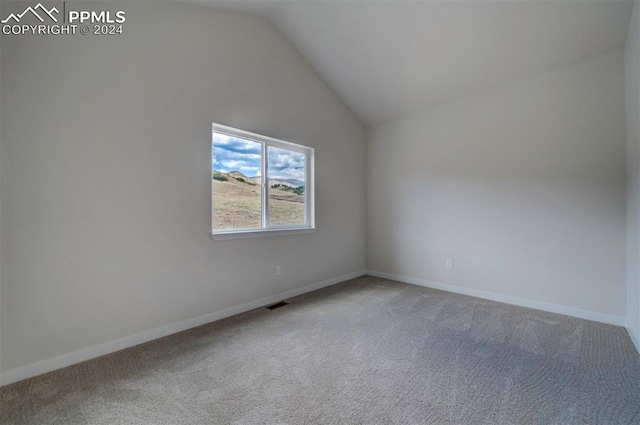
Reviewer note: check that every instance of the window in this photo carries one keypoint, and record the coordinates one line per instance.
(259, 185)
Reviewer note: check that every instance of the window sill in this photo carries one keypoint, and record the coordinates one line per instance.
(224, 236)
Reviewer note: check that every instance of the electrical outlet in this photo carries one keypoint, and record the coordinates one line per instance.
(277, 270)
(449, 263)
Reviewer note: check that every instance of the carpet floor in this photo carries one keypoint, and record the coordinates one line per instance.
(366, 351)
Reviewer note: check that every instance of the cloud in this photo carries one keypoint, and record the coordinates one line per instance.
(284, 164)
(233, 144)
(234, 154)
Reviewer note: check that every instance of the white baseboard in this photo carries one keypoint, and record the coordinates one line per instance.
(522, 302)
(635, 338)
(89, 353)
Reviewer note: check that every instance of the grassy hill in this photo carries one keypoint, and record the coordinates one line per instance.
(237, 201)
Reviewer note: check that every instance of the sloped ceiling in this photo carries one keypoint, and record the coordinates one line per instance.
(386, 59)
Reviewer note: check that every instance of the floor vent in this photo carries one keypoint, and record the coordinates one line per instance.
(278, 305)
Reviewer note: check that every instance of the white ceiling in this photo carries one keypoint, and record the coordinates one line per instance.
(389, 58)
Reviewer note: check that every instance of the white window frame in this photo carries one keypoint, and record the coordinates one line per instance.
(309, 225)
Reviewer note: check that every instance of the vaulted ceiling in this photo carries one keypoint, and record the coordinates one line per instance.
(386, 59)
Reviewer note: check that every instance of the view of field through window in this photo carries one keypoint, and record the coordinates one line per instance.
(286, 186)
(237, 184)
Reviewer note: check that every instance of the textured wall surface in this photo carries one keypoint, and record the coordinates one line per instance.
(523, 187)
(632, 92)
(106, 175)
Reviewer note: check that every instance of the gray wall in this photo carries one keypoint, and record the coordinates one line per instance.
(632, 87)
(1, 122)
(523, 186)
(105, 176)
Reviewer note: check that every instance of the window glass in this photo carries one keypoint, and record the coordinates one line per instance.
(260, 186)
(286, 186)
(237, 185)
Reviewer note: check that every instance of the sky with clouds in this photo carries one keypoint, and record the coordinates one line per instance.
(234, 154)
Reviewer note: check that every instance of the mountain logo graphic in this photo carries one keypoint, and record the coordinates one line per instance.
(40, 7)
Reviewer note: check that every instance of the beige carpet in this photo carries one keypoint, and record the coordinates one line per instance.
(367, 351)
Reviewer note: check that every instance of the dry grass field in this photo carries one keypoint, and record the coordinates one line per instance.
(237, 204)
